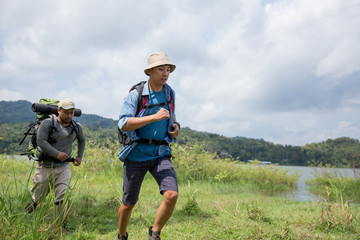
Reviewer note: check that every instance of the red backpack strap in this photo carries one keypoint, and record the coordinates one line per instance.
(141, 106)
(172, 102)
(141, 100)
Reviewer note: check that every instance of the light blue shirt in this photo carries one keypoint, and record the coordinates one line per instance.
(156, 130)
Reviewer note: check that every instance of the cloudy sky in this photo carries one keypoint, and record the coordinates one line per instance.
(286, 71)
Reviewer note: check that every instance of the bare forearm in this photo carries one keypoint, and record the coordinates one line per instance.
(137, 122)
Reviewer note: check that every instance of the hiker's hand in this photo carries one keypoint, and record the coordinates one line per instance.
(174, 133)
(77, 161)
(61, 156)
(161, 114)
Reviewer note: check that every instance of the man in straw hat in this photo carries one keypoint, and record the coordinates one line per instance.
(151, 129)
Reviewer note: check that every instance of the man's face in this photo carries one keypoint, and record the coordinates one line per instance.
(160, 74)
(66, 115)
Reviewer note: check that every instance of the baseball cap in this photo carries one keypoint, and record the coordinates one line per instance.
(66, 103)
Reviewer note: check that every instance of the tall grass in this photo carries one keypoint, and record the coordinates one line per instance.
(44, 223)
(338, 213)
(336, 192)
(335, 182)
(212, 203)
(194, 164)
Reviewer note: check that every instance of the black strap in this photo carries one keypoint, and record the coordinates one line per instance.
(52, 129)
(75, 126)
(152, 141)
(43, 157)
(157, 105)
(139, 87)
(54, 160)
(31, 126)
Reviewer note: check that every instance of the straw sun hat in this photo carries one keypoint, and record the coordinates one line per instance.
(158, 59)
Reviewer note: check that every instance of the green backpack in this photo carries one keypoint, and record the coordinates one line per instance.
(45, 109)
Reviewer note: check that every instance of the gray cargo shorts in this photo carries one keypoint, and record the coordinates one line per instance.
(134, 172)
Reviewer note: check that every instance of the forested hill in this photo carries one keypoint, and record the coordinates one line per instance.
(340, 152)
(20, 112)
(344, 151)
(16, 112)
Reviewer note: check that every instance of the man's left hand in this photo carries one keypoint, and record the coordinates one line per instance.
(175, 133)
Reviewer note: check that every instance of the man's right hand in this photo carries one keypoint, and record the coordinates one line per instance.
(161, 114)
(61, 156)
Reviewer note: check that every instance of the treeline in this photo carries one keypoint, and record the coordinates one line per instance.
(244, 149)
(343, 152)
(340, 152)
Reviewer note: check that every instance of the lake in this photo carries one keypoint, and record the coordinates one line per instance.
(302, 193)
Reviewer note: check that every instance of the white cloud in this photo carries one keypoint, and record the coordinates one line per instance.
(8, 95)
(284, 71)
(342, 61)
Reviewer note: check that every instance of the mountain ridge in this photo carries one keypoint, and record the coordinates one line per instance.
(20, 111)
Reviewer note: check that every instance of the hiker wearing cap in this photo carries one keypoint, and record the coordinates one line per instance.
(55, 137)
(151, 129)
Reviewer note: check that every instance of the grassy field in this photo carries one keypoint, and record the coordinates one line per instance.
(216, 201)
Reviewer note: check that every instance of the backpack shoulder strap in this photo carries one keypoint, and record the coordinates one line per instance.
(52, 128)
(141, 99)
(172, 100)
(53, 123)
(75, 126)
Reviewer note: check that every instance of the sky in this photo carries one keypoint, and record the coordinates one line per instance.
(286, 71)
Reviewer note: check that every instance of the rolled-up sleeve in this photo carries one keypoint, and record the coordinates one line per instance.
(128, 109)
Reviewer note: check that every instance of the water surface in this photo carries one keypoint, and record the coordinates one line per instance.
(302, 192)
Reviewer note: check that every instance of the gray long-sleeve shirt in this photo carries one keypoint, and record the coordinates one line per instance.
(62, 141)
